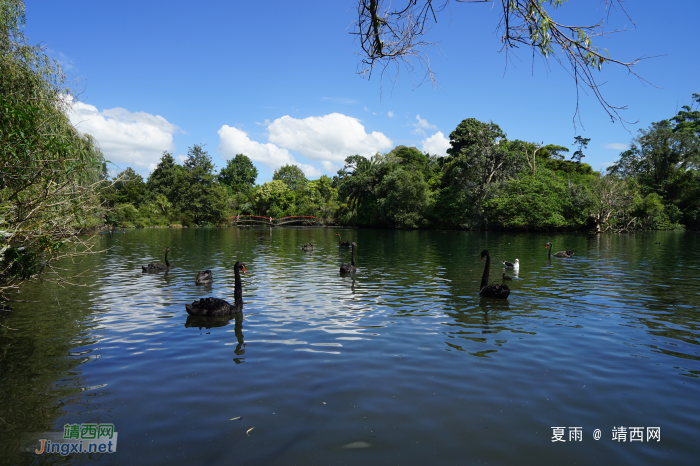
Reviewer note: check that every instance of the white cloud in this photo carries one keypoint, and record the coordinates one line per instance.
(327, 138)
(391, 114)
(421, 125)
(617, 146)
(234, 141)
(437, 144)
(137, 139)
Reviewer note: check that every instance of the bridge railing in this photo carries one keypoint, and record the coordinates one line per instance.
(275, 221)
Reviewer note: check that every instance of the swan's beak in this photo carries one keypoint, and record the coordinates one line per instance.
(243, 269)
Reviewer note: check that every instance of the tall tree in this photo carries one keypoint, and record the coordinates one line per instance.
(478, 159)
(239, 174)
(582, 144)
(292, 176)
(163, 180)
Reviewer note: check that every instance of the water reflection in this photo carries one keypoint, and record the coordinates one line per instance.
(408, 338)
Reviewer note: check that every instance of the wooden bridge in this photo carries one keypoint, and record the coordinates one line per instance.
(269, 221)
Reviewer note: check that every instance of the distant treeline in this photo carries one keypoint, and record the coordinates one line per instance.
(486, 181)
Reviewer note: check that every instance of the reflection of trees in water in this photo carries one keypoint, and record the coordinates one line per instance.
(40, 371)
(657, 287)
(209, 322)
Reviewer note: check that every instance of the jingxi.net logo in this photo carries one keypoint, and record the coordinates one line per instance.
(77, 438)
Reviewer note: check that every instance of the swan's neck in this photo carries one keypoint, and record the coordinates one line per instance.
(238, 289)
(352, 259)
(167, 264)
(485, 276)
(549, 253)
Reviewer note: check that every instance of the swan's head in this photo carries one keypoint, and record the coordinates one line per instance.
(240, 266)
(546, 245)
(354, 244)
(167, 249)
(484, 253)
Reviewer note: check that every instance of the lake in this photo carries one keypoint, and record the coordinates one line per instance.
(402, 363)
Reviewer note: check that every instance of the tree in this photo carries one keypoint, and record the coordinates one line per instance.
(391, 34)
(50, 173)
(128, 188)
(292, 176)
(612, 197)
(412, 158)
(199, 165)
(163, 180)
(478, 159)
(402, 198)
(582, 144)
(198, 194)
(239, 174)
(534, 200)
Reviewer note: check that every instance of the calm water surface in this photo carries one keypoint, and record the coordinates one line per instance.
(403, 363)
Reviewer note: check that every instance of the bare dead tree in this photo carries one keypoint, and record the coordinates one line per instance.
(393, 36)
(613, 198)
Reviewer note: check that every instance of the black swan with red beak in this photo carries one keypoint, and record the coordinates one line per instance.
(557, 254)
(220, 307)
(491, 291)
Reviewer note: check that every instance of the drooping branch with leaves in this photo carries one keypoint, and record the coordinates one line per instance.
(393, 34)
(50, 174)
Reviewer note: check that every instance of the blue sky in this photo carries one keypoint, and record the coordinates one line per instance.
(277, 80)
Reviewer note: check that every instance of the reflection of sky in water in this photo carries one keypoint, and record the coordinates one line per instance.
(405, 351)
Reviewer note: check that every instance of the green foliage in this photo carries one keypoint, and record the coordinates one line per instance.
(479, 160)
(402, 198)
(529, 201)
(292, 176)
(50, 174)
(163, 180)
(128, 187)
(412, 159)
(239, 174)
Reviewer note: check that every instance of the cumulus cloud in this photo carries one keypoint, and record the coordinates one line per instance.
(437, 144)
(421, 125)
(234, 141)
(329, 138)
(617, 146)
(391, 114)
(137, 139)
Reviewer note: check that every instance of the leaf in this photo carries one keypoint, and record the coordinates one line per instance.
(247, 432)
(234, 418)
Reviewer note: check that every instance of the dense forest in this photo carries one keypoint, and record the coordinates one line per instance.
(485, 181)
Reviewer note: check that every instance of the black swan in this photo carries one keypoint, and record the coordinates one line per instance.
(308, 247)
(557, 254)
(491, 291)
(341, 243)
(204, 277)
(511, 265)
(157, 266)
(219, 307)
(350, 268)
